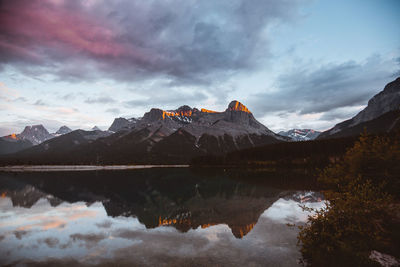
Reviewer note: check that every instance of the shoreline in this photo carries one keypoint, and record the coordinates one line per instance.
(49, 168)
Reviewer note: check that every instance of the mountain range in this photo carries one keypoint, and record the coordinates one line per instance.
(300, 134)
(177, 136)
(36, 134)
(30, 136)
(160, 136)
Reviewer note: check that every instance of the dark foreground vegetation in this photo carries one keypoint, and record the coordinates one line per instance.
(287, 155)
(363, 209)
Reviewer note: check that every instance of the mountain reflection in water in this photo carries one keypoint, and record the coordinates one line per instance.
(150, 216)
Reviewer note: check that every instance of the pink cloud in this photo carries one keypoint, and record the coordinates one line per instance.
(134, 39)
(39, 25)
(47, 221)
(82, 214)
(43, 225)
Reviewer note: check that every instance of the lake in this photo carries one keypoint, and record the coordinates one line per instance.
(155, 217)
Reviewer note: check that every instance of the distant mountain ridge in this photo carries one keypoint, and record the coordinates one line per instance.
(63, 130)
(36, 134)
(300, 134)
(383, 102)
(380, 115)
(32, 136)
(161, 136)
(121, 123)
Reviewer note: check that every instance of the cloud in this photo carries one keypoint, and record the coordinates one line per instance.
(132, 40)
(100, 100)
(51, 242)
(20, 99)
(312, 89)
(168, 98)
(7, 93)
(68, 97)
(113, 111)
(45, 225)
(341, 113)
(105, 224)
(89, 240)
(39, 102)
(20, 234)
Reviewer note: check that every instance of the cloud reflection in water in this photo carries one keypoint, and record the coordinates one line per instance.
(86, 234)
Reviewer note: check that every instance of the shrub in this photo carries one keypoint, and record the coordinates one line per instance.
(374, 158)
(361, 192)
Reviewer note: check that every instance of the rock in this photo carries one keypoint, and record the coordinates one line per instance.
(384, 259)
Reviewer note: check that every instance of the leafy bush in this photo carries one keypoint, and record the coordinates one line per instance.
(374, 158)
(361, 201)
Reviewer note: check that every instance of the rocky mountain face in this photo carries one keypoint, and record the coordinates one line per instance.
(30, 136)
(382, 110)
(122, 123)
(181, 134)
(300, 134)
(163, 136)
(36, 134)
(63, 130)
(62, 146)
(235, 121)
(385, 101)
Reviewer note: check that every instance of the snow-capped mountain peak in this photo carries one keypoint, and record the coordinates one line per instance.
(36, 134)
(300, 134)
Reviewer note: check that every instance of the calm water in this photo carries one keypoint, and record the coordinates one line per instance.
(152, 217)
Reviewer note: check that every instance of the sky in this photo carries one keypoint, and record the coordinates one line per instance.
(293, 63)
